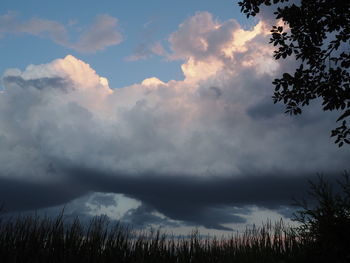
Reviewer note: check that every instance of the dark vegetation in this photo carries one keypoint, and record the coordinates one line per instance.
(325, 225)
(43, 240)
(323, 236)
(317, 35)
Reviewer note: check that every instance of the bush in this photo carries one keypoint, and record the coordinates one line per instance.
(325, 224)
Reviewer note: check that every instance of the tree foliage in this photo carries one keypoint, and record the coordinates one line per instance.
(325, 224)
(317, 34)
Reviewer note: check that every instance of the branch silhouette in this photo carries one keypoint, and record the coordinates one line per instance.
(317, 34)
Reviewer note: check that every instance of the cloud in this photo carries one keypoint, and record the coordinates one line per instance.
(100, 35)
(10, 24)
(147, 46)
(193, 35)
(186, 149)
(146, 49)
(144, 217)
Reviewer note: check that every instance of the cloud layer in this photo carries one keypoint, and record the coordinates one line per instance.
(102, 33)
(187, 149)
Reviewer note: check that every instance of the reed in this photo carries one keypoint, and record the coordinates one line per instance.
(43, 239)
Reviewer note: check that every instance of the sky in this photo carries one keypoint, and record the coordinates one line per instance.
(154, 113)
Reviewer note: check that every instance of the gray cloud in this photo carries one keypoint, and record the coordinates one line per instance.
(147, 46)
(195, 201)
(9, 23)
(17, 195)
(103, 200)
(100, 35)
(265, 109)
(42, 83)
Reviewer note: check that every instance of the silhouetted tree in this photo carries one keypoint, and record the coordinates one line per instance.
(317, 33)
(325, 224)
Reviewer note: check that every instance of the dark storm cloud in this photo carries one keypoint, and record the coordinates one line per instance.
(18, 195)
(206, 201)
(210, 201)
(182, 193)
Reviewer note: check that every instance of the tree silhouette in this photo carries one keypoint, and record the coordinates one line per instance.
(317, 34)
(325, 224)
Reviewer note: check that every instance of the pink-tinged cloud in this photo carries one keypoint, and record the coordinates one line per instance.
(101, 34)
(192, 36)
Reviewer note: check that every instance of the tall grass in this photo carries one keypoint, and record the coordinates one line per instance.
(43, 239)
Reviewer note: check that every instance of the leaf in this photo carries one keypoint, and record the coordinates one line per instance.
(286, 76)
(344, 115)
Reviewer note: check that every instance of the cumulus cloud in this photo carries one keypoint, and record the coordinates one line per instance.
(187, 149)
(102, 33)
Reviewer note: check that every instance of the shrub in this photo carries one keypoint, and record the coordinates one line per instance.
(325, 224)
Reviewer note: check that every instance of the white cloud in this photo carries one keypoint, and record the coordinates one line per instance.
(100, 35)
